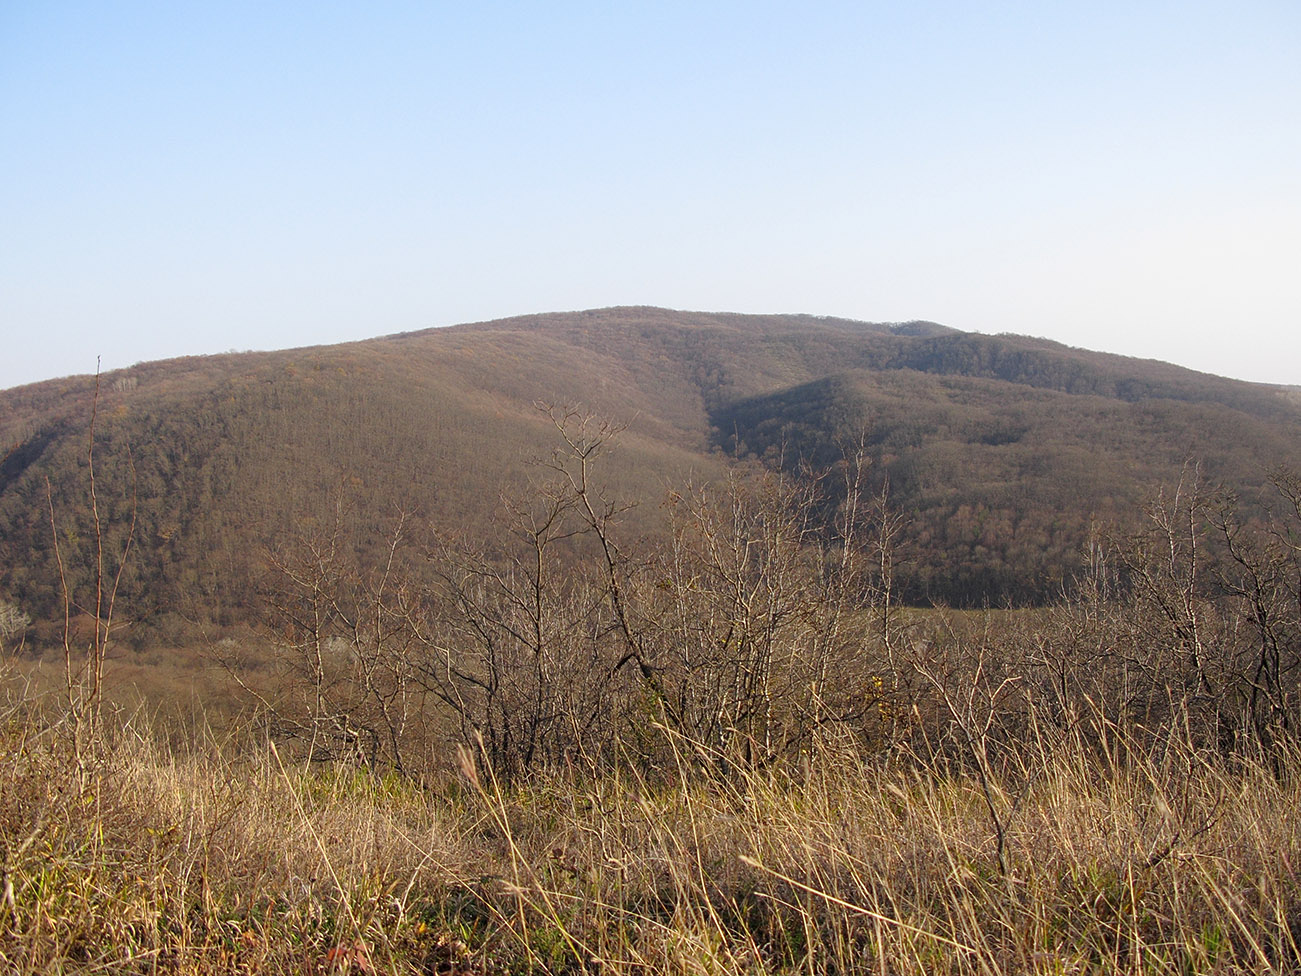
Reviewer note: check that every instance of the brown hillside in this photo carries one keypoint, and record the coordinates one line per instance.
(1001, 449)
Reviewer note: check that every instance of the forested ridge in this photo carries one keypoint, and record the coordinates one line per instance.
(1003, 453)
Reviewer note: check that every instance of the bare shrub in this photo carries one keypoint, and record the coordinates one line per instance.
(344, 634)
(13, 628)
(763, 617)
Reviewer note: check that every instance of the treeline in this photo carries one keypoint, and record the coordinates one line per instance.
(1000, 452)
(209, 486)
(1003, 486)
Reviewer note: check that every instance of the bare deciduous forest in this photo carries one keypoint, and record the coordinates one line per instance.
(729, 735)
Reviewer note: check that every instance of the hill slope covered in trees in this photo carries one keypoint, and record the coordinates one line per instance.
(1002, 453)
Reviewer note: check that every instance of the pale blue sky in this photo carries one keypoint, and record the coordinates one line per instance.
(182, 178)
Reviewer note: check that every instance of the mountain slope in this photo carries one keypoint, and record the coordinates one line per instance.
(1004, 483)
(1001, 449)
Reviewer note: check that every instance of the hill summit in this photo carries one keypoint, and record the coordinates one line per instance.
(1001, 453)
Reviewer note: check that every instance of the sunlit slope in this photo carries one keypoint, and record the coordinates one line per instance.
(1003, 450)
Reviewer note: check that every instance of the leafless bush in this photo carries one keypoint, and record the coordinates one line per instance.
(345, 637)
(13, 629)
(1262, 574)
(769, 626)
(1191, 627)
(756, 627)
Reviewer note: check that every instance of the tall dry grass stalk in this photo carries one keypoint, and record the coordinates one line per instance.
(225, 860)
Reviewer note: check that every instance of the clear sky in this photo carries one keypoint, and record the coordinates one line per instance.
(182, 178)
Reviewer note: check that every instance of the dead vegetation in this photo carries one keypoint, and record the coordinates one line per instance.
(1157, 858)
(728, 753)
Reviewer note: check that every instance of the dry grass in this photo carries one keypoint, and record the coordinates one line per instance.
(137, 857)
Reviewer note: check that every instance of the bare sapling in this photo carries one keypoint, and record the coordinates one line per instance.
(84, 668)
